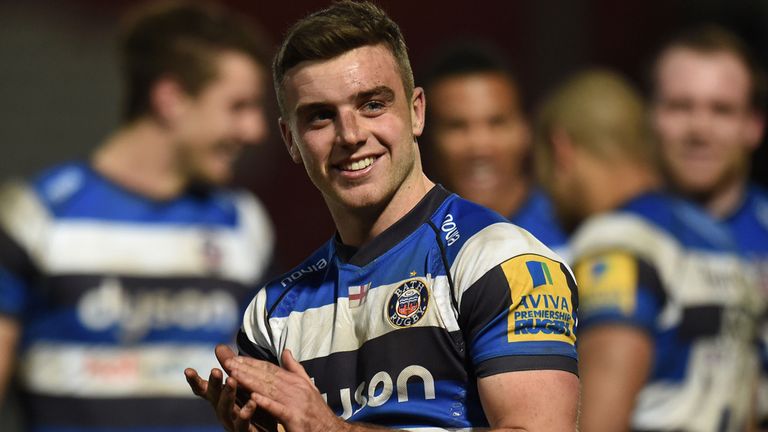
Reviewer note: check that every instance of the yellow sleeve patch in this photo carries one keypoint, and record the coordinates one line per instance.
(541, 300)
(607, 281)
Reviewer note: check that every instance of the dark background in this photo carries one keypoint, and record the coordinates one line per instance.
(60, 94)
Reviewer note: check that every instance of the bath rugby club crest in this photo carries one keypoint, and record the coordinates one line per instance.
(408, 303)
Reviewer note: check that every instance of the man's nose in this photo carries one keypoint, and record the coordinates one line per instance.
(348, 129)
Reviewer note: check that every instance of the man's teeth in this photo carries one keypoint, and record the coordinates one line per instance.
(358, 165)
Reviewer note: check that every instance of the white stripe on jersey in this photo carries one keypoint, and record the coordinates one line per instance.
(309, 337)
(23, 216)
(490, 247)
(104, 371)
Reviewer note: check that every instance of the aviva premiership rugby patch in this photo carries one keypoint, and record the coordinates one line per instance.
(542, 308)
(408, 303)
(608, 282)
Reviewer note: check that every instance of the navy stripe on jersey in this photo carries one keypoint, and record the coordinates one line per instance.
(488, 298)
(465, 410)
(167, 413)
(498, 365)
(104, 309)
(68, 290)
(423, 346)
(14, 258)
(252, 350)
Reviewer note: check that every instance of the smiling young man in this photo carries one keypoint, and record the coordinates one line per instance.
(425, 311)
(116, 270)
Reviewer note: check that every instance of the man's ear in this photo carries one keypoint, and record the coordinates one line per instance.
(290, 144)
(755, 129)
(563, 150)
(418, 107)
(168, 99)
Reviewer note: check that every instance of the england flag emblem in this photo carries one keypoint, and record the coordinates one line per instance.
(357, 294)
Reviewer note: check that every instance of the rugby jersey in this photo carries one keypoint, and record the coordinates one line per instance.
(749, 225)
(117, 294)
(665, 266)
(397, 332)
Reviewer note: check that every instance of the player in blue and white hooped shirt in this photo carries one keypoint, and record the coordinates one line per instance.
(426, 312)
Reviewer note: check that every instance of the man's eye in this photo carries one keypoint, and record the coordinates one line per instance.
(320, 116)
(373, 106)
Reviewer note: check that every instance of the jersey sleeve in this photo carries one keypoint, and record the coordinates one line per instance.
(521, 315)
(254, 338)
(616, 287)
(22, 223)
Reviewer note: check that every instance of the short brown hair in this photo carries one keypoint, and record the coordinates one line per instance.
(342, 27)
(180, 39)
(710, 39)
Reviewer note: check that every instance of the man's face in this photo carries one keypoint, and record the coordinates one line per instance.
(213, 126)
(349, 121)
(479, 134)
(704, 121)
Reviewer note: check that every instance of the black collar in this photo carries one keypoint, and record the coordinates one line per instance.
(394, 234)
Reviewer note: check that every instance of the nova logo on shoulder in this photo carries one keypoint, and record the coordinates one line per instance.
(381, 388)
(293, 277)
(450, 229)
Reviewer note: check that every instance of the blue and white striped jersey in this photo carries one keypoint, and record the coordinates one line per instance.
(396, 333)
(665, 266)
(749, 224)
(117, 294)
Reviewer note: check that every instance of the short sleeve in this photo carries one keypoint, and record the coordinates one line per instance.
(521, 315)
(618, 288)
(254, 338)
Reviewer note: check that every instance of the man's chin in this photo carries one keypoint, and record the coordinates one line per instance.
(211, 179)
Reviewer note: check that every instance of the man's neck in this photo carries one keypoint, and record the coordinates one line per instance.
(724, 200)
(140, 157)
(359, 226)
(635, 180)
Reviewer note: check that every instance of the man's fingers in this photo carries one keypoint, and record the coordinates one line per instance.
(292, 365)
(224, 353)
(213, 392)
(243, 418)
(196, 382)
(278, 410)
(227, 400)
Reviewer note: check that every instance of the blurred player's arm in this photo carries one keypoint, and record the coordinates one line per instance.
(614, 362)
(620, 297)
(9, 336)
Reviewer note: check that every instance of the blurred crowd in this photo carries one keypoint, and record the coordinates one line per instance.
(120, 270)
